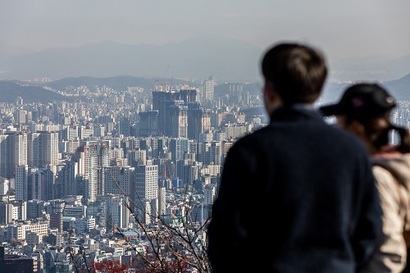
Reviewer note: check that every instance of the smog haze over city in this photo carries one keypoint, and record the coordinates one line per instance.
(344, 30)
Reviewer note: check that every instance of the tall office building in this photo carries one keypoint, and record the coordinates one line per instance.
(160, 102)
(146, 188)
(146, 184)
(120, 180)
(172, 110)
(148, 123)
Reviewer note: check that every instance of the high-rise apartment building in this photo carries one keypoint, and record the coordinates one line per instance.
(211, 153)
(43, 149)
(4, 186)
(92, 157)
(21, 180)
(137, 157)
(41, 184)
(208, 88)
(13, 152)
(162, 201)
(66, 180)
(6, 213)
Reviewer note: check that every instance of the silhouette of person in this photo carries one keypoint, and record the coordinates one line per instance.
(365, 110)
(297, 195)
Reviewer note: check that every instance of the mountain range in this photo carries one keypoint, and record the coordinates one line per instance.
(228, 60)
(48, 92)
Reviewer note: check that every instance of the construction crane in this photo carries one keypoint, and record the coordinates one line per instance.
(163, 84)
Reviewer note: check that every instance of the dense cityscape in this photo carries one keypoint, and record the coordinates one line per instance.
(116, 177)
(119, 178)
(116, 118)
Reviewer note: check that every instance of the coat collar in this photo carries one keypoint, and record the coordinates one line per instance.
(295, 112)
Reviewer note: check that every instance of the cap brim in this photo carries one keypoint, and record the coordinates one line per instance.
(331, 110)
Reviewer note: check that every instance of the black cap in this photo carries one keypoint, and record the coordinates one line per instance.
(363, 100)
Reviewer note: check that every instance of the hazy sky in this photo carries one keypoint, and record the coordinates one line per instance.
(341, 28)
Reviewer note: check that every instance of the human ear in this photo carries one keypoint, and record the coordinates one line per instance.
(271, 96)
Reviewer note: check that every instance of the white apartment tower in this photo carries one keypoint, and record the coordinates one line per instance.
(162, 202)
(208, 90)
(4, 185)
(93, 157)
(13, 152)
(147, 181)
(146, 192)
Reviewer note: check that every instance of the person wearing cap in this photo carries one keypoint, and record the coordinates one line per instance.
(297, 195)
(364, 110)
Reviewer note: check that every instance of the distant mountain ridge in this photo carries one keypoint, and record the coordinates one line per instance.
(36, 92)
(11, 90)
(399, 89)
(228, 60)
(375, 67)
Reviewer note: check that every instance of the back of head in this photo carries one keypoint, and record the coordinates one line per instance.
(362, 101)
(297, 72)
(371, 105)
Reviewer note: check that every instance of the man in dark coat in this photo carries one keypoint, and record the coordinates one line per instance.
(297, 195)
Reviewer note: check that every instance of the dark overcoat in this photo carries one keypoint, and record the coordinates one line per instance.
(295, 196)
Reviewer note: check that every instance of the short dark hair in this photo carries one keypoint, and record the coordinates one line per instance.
(296, 71)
